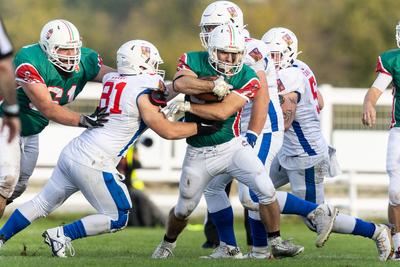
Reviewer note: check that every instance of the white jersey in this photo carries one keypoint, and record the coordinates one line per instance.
(102, 148)
(257, 58)
(304, 144)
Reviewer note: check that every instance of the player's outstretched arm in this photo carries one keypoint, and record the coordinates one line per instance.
(40, 97)
(156, 121)
(103, 71)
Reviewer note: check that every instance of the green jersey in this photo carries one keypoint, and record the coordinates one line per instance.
(245, 84)
(32, 66)
(389, 63)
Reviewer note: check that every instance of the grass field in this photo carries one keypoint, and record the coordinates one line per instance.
(133, 247)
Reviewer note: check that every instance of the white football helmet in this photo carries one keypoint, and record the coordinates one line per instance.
(138, 57)
(219, 13)
(228, 39)
(398, 34)
(282, 46)
(58, 35)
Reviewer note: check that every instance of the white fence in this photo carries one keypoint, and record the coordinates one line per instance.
(361, 154)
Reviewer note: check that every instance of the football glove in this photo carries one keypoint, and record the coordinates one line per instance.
(208, 128)
(221, 88)
(251, 138)
(175, 109)
(97, 119)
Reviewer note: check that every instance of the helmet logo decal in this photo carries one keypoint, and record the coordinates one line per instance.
(256, 54)
(145, 51)
(49, 34)
(281, 87)
(287, 39)
(232, 11)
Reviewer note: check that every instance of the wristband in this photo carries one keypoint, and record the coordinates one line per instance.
(11, 110)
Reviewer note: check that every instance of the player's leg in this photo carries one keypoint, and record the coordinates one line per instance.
(9, 167)
(308, 184)
(106, 193)
(393, 170)
(29, 155)
(54, 193)
(193, 180)
(248, 169)
(220, 210)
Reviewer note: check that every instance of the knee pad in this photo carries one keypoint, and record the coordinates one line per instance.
(265, 191)
(394, 187)
(185, 207)
(7, 185)
(121, 221)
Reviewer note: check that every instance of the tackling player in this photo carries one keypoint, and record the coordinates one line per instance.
(88, 163)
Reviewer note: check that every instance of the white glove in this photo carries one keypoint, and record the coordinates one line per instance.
(221, 88)
(176, 109)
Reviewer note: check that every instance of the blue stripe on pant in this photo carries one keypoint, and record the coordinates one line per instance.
(262, 155)
(120, 200)
(310, 185)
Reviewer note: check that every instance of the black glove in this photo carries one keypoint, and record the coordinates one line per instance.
(208, 128)
(95, 120)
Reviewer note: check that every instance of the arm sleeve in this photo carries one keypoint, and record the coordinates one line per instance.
(6, 48)
(382, 81)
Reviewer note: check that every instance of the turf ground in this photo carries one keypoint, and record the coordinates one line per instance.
(133, 247)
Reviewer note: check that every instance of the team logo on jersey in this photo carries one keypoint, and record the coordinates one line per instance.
(281, 87)
(287, 39)
(146, 52)
(49, 34)
(27, 76)
(256, 54)
(232, 11)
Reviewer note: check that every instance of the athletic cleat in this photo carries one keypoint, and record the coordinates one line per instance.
(383, 240)
(258, 255)
(323, 218)
(164, 250)
(284, 248)
(58, 242)
(223, 251)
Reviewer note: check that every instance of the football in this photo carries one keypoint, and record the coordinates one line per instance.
(208, 97)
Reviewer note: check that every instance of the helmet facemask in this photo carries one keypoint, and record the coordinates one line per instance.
(226, 50)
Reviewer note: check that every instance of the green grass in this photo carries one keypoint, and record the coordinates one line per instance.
(133, 247)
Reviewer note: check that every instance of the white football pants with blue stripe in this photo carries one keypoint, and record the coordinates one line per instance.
(104, 191)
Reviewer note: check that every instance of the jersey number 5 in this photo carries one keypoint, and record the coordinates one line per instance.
(112, 91)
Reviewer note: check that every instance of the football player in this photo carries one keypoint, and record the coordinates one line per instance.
(225, 151)
(305, 158)
(88, 163)
(9, 124)
(50, 74)
(386, 67)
